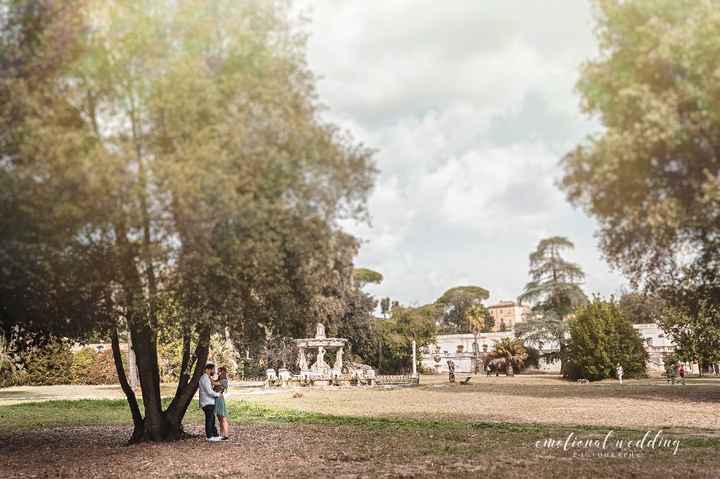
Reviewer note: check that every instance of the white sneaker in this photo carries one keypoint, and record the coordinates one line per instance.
(215, 439)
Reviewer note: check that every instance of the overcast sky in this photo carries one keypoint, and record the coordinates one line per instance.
(471, 105)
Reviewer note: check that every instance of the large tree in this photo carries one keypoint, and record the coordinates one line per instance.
(406, 324)
(165, 165)
(554, 291)
(650, 175)
(456, 302)
(600, 340)
(695, 332)
(639, 307)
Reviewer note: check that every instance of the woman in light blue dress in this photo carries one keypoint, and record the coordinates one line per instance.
(221, 386)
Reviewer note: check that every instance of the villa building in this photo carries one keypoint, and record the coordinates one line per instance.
(507, 314)
(460, 348)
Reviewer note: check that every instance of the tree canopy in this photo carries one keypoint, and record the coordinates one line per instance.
(456, 303)
(650, 176)
(554, 285)
(554, 291)
(600, 340)
(163, 163)
(407, 324)
(365, 276)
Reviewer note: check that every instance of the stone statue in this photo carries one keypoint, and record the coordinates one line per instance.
(302, 360)
(320, 331)
(338, 360)
(320, 364)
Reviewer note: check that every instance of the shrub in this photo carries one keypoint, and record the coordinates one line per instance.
(48, 364)
(512, 350)
(170, 359)
(91, 367)
(600, 339)
(83, 361)
(9, 362)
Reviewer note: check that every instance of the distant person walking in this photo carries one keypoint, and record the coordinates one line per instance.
(670, 373)
(207, 402)
(451, 370)
(681, 373)
(619, 371)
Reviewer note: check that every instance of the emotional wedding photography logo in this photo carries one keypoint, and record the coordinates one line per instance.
(611, 445)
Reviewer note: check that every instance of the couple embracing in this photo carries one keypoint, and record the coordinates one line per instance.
(212, 402)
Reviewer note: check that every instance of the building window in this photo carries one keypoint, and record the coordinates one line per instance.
(460, 348)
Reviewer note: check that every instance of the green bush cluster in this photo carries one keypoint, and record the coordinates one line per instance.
(600, 339)
(56, 363)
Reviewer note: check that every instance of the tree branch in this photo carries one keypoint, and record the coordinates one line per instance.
(176, 411)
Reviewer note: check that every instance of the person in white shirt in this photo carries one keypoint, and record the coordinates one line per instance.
(207, 403)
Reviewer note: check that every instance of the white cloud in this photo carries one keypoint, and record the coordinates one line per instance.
(471, 106)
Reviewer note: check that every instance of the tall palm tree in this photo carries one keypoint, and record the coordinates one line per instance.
(479, 320)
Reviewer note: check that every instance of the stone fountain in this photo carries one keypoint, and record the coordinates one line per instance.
(320, 372)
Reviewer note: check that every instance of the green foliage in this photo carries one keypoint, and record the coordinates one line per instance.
(83, 362)
(641, 308)
(169, 359)
(359, 326)
(397, 333)
(456, 302)
(600, 339)
(478, 319)
(365, 276)
(224, 353)
(554, 282)
(9, 362)
(92, 367)
(167, 160)
(46, 364)
(554, 291)
(511, 349)
(650, 177)
(696, 334)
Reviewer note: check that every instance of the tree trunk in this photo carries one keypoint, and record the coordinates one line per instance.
(138, 422)
(156, 427)
(476, 352)
(183, 397)
(159, 425)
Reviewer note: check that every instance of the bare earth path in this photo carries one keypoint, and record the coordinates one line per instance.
(483, 431)
(268, 450)
(534, 399)
(530, 399)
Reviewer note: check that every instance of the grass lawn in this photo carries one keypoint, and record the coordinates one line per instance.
(86, 438)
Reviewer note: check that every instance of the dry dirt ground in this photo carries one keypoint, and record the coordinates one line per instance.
(490, 427)
(338, 451)
(648, 403)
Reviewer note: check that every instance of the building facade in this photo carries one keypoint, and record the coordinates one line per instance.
(507, 314)
(460, 348)
(657, 344)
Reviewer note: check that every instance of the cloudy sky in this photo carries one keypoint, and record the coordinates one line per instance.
(470, 104)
